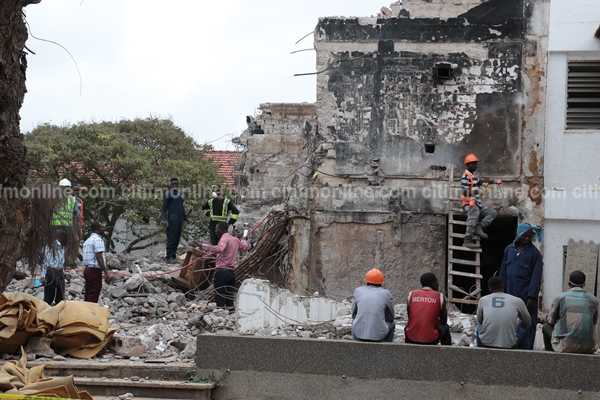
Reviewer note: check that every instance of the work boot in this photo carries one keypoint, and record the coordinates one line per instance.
(469, 243)
(479, 232)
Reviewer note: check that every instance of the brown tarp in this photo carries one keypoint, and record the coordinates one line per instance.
(78, 329)
(16, 378)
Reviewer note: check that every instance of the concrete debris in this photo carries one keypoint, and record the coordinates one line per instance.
(155, 319)
(39, 347)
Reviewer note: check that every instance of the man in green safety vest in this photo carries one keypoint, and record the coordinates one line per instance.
(67, 208)
(218, 209)
(65, 215)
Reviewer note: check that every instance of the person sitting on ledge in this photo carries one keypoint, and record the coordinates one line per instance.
(427, 314)
(571, 326)
(373, 310)
(498, 315)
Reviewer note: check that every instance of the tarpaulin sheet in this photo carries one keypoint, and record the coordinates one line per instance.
(16, 378)
(79, 329)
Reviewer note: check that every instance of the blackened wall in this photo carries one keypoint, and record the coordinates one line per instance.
(388, 104)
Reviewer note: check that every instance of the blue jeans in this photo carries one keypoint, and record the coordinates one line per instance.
(389, 338)
(522, 337)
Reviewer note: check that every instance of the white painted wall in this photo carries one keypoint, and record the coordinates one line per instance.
(571, 167)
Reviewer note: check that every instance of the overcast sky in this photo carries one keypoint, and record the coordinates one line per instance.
(205, 64)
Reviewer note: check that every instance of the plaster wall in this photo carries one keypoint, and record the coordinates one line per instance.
(571, 173)
(346, 245)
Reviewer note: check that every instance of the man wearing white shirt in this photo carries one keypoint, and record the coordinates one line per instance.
(94, 262)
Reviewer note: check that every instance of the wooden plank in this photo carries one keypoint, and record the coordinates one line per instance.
(467, 274)
(457, 235)
(457, 222)
(464, 301)
(461, 248)
(464, 262)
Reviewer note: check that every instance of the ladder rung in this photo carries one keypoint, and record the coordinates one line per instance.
(458, 210)
(464, 262)
(457, 222)
(468, 274)
(457, 235)
(465, 301)
(461, 248)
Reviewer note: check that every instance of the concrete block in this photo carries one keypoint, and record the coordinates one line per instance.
(76, 288)
(134, 282)
(253, 296)
(321, 309)
(583, 257)
(118, 293)
(127, 346)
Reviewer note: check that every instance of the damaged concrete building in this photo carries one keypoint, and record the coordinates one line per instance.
(402, 98)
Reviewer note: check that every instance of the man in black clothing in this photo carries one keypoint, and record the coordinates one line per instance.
(173, 215)
(218, 208)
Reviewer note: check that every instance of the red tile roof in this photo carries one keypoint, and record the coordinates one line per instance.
(228, 162)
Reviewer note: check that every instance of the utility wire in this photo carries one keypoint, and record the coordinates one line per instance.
(65, 49)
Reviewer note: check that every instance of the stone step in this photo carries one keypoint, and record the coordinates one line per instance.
(174, 371)
(154, 389)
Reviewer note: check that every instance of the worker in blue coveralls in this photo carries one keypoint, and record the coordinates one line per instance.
(173, 215)
(521, 271)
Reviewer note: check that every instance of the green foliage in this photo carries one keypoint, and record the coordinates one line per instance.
(211, 378)
(124, 169)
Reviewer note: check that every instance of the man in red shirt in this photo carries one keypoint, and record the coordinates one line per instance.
(226, 251)
(427, 314)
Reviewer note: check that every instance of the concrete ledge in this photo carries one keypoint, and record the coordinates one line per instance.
(473, 366)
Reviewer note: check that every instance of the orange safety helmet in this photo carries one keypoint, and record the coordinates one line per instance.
(471, 158)
(374, 276)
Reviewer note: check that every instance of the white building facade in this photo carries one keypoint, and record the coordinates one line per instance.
(572, 150)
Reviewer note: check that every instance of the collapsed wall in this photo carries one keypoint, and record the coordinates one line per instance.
(401, 99)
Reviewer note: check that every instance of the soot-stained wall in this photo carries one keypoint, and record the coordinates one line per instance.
(383, 101)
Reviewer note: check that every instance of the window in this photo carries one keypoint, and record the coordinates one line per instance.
(583, 95)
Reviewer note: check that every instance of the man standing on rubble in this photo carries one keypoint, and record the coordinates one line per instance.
(571, 326)
(218, 208)
(373, 311)
(471, 203)
(173, 215)
(498, 315)
(94, 262)
(521, 271)
(427, 314)
(226, 251)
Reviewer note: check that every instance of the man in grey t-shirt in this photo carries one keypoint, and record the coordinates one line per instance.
(498, 315)
(373, 311)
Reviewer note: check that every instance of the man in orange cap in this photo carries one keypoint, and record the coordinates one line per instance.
(373, 311)
(472, 204)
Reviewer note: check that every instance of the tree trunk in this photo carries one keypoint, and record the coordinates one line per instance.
(14, 212)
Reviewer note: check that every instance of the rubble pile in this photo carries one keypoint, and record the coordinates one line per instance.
(156, 320)
(462, 327)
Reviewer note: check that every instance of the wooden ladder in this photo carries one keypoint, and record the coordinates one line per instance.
(462, 261)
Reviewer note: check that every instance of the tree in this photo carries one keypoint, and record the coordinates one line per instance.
(14, 213)
(124, 168)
